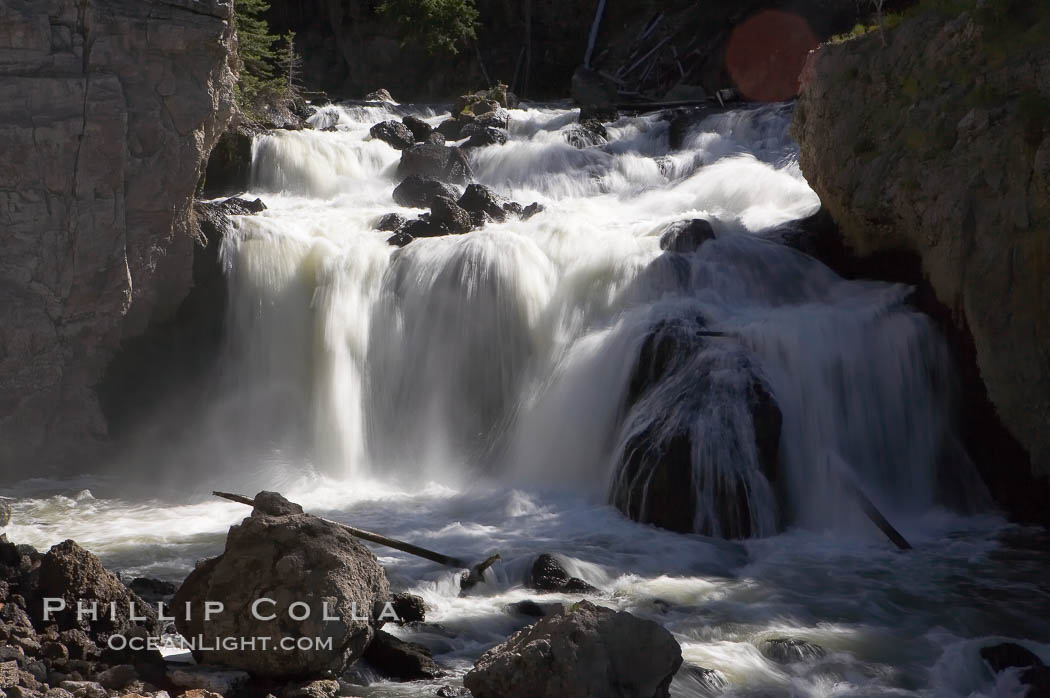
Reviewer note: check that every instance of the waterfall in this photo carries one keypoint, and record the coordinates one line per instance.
(517, 350)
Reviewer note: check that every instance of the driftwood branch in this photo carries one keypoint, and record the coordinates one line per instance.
(867, 506)
(476, 571)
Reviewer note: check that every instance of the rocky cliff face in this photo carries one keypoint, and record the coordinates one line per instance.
(936, 145)
(107, 110)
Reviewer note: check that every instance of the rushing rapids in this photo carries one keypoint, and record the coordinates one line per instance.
(506, 388)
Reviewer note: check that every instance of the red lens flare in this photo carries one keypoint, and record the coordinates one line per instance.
(766, 53)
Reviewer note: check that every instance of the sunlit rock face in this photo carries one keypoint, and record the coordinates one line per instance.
(916, 145)
(109, 109)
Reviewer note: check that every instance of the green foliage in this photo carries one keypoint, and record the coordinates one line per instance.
(439, 25)
(264, 74)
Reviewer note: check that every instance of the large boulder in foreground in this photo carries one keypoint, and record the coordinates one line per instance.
(588, 652)
(72, 574)
(293, 558)
(955, 174)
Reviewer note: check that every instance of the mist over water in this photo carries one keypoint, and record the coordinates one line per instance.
(468, 393)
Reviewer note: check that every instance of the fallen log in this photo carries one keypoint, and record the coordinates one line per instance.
(866, 505)
(476, 572)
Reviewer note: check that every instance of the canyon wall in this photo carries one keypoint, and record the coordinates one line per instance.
(932, 141)
(108, 108)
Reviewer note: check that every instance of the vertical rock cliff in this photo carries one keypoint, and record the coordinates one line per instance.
(935, 144)
(108, 108)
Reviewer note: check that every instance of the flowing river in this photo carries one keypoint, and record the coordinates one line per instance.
(467, 393)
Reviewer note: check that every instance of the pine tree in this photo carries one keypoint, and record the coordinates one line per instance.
(255, 52)
(437, 24)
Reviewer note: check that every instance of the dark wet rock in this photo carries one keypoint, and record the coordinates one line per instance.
(70, 573)
(324, 688)
(448, 214)
(1033, 672)
(497, 118)
(680, 368)
(464, 103)
(681, 123)
(152, 590)
(395, 133)
(229, 166)
(547, 574)
(686, 236)
(603, 114)
(423, 227)
(436, 138)
(531, 210)
(409, 608)
(416, 191)
(450, 129)
(479, 219)
(786, 650)
(420, 129)
(535, 609)
(579, 137)
(452, 692)
(391, 222)
(711, 681)
(5, 513)
(380, 95)
(435, 162)
(486, 136)
(117, 677)
(479, 198)
(406, 661)
(587, 652)
(291, 558)
(399, 239)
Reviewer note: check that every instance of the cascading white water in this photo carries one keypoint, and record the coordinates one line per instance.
(509, 349)
(470, 394)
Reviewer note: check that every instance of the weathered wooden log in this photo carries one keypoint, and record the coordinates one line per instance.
(476, 573)
(865, 504)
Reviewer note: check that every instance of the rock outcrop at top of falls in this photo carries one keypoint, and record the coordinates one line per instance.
(700, 441)
(936, 145)
(587, 652)
(294, 558)
(109, 110)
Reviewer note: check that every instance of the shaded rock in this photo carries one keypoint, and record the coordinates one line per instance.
(391, 222)
(406, 661)
(423, 228)
(589, 87)
(152, 590)
(416, 191)
(229, 167)
(681, 124)
(603, 114)
(85, 689)
(535, 609)
(484, 136)
(313, 689)
(291, 558)
(446, 213)
(579, 137)
(394, 133)
(479, 198)
(669, 396)
(685, 93)
(8, 674)
(117, 677)
(274, 504)
(1033, 672)
(785, 650)
(399, 239)
(434, 162)
(409, 608)
(496, 118)
(207, 678)
(79, 645)
(587, 652)
(380, 95)
(5, 513)
(450, 129)
(420, 129)
(452, 692)
(70, 573)
(686, 236)
(479, 219)
(547, 574)
(435, 138)
(465, 103)
(532, 209)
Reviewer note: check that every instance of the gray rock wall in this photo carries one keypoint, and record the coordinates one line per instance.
(107, 110)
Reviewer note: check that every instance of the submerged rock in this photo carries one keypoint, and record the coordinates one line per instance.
(394, 133)
(406, 661)
(531, 210)
(547, 574)
(579, 137)
(686, 236)
(420, 129)
(296, 558)
(391, 222)
(587, 652)
(786, 650)
(416, 191)
(400, 239)
(535, 609)
(689, 387)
